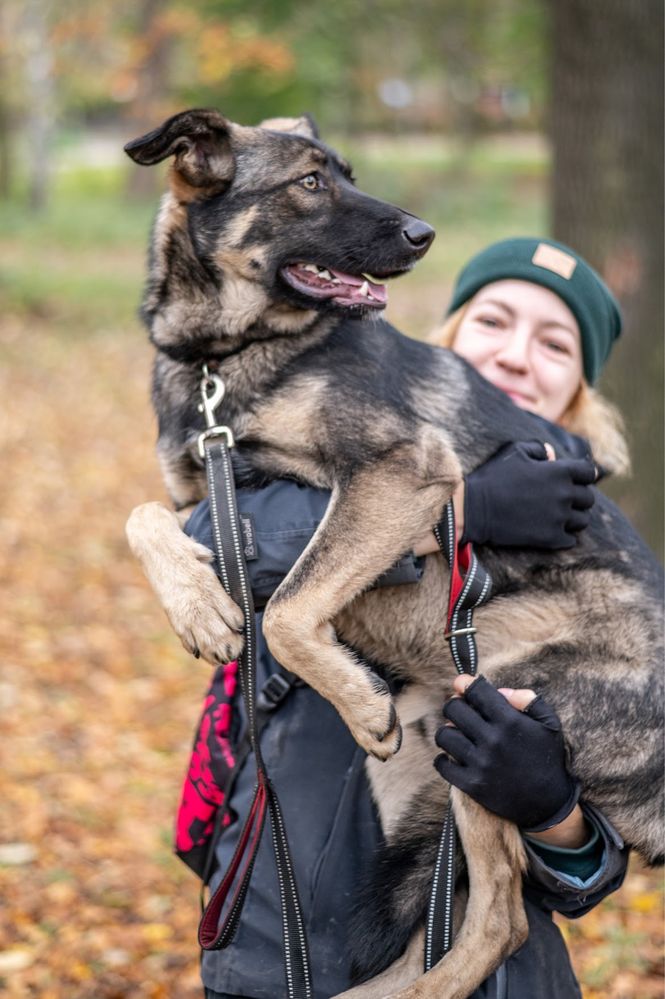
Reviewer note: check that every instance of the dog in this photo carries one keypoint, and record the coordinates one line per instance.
(267, 264)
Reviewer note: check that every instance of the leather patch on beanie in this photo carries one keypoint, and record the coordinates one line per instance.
(555, 260)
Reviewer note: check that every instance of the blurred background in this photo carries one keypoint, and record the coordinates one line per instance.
(488, 118)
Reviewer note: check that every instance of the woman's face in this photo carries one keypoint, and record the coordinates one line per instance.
(525, 340)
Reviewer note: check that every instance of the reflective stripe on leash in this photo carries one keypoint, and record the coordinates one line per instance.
(470, 586)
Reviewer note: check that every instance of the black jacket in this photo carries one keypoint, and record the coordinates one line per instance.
(332, 825)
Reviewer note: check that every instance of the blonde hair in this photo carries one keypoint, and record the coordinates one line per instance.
(588, 414)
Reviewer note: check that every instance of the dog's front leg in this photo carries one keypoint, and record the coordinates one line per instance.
(378, 515)
(179, 569)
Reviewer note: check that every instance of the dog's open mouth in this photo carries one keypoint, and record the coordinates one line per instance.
(343, 289)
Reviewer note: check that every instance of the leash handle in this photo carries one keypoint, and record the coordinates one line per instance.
(212, 936)
(214, 444)
(470, 586)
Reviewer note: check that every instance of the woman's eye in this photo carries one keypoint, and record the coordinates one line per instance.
(556, 348)
(312, 182)
(490, 321)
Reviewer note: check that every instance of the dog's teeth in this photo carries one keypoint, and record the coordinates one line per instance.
(323, 273)
(311, 267)
(364, 289)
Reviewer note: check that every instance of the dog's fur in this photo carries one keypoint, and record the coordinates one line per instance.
(317, 392)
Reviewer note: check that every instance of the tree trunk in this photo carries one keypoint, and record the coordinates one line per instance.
(146, 111)
(5, 148)
(5, 113)
(40, 101)
(607, 133)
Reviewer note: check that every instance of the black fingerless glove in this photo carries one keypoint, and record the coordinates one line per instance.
(512, 762)
(520, 499)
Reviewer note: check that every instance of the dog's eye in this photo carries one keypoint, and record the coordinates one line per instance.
(312, 182)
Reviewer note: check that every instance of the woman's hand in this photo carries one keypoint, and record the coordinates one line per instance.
(522, 498)
(505, 749)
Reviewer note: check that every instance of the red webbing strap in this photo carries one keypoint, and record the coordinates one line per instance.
(470, 586)
(458, 571)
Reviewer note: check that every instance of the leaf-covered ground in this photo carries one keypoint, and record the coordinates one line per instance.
(97, 698)
(98, 702)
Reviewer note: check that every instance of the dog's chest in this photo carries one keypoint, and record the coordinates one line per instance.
(304, 429)
(290, 418)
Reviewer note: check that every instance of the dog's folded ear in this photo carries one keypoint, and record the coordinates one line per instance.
(200, 141)
(304, 125)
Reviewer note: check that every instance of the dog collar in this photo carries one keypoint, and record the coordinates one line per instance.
(200, 353)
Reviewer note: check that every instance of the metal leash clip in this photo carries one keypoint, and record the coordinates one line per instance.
(212, 393)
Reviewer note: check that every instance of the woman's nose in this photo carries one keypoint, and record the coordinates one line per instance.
(513, 352)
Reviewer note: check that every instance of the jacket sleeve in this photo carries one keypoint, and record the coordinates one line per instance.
(553, 888)
(278, 522)
(565, 444)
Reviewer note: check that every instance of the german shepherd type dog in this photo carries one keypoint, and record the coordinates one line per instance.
(266, 263)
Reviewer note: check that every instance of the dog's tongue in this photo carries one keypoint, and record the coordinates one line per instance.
(360, 288)
(347, 289)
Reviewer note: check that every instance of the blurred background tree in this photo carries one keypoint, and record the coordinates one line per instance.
(606, 115)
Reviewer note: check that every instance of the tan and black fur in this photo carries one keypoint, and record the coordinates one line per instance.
(319, 392)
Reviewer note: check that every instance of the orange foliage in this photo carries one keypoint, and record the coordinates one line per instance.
(104, 42)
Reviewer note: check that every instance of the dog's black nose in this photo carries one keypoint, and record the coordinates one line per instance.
(419, 234)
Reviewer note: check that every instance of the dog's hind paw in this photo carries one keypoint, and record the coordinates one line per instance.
(373, 723)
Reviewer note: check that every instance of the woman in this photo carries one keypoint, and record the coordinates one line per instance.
(535, 320)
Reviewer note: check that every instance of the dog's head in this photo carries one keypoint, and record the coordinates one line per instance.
(275, 220)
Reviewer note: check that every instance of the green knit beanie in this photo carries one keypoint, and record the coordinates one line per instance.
(557, 267)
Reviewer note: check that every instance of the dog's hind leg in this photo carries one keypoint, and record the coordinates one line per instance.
(494, 923)
(401, 973)
(386, 506)
(179, 569)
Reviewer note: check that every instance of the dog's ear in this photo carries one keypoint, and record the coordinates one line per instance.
(305, 126)
(200, 141)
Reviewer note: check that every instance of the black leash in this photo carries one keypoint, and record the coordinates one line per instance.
(227, 901)
(470, 586)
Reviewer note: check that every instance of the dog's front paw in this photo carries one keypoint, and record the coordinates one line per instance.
(208, 623)
(372, 719)
(204, 617)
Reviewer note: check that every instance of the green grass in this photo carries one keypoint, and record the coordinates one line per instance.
(79, 264)
(87, 207)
